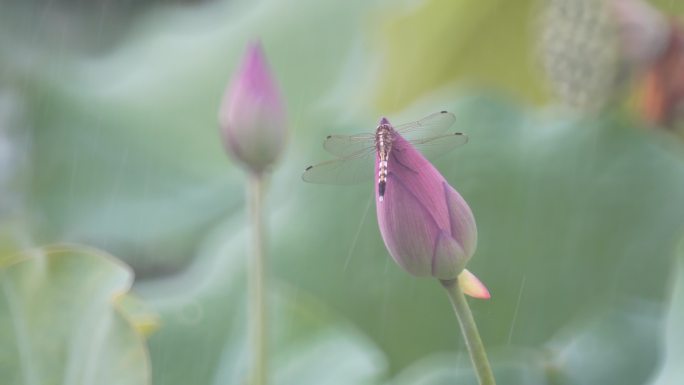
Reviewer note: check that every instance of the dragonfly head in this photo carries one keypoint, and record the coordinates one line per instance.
(384, 123)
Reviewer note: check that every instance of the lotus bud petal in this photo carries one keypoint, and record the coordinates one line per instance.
(252, 115)
(472, 286)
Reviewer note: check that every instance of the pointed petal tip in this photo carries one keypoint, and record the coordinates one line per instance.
(484, 296)
(255, 45)
(255, 58)
(472, 286)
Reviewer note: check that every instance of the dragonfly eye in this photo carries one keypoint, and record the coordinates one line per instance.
(443, 112)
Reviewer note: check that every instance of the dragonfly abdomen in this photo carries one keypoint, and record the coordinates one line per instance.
(382, 179)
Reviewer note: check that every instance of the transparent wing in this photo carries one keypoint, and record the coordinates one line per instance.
(347, 145)
(435, 146)
(350, 170)
(430, 126)
(357, 152)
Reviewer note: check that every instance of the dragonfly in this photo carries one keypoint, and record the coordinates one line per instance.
(356, 154)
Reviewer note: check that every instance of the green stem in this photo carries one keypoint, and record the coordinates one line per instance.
(257, 285)
(478, 356)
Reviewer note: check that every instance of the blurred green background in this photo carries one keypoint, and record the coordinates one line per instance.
(109, 138)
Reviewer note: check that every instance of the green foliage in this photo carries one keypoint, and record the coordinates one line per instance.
(578, 217)
(488, 43)
(671, 372)
(203, 337)
(513, 367)
(61, 322)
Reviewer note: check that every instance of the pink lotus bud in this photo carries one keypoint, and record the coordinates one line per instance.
(252, 114)
(427, 226)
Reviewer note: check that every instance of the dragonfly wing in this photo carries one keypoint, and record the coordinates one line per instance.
(430, 126)
(351, 170)
(347, 145)
(438, 145)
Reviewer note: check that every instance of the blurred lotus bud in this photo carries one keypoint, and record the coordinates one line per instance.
(642, 31)
(662, 98)
(592, 49)
(427, 226)
(252, 115)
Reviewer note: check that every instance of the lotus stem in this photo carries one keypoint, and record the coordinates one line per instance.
(478, 355)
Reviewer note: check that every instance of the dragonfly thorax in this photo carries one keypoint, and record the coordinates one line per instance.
(383, 138)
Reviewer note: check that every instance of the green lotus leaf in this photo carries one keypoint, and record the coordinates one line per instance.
(61, 321)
